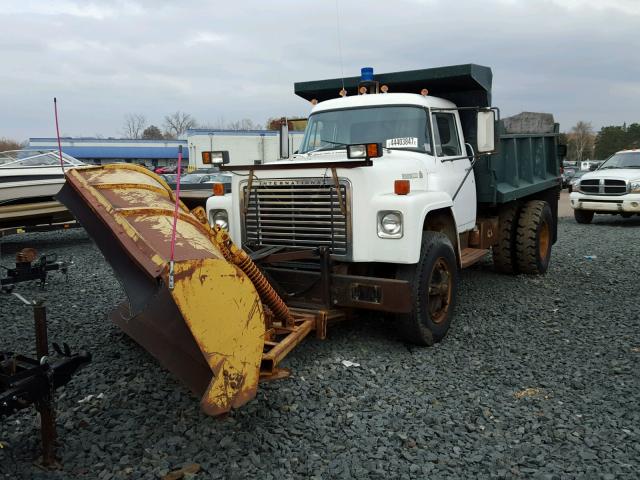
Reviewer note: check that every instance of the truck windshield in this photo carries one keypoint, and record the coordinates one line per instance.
(399, 127)
(622, 160)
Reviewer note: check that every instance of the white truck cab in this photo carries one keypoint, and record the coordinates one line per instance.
(382, 226)
(614, 188)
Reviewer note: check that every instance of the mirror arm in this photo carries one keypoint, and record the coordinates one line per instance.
(469, 170)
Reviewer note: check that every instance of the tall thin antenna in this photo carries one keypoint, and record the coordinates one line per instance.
(339, 45)
(55, 111)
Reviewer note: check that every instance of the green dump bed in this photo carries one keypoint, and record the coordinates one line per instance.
(526, 162)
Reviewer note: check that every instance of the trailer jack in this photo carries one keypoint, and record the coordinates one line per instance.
(28, 268)
(26, 381)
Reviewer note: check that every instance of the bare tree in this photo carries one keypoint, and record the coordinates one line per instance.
(178, 123)
(134, 125)
(244, 124)
(8, 144)
(583, 140)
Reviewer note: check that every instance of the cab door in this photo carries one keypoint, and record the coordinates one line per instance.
(453, 164)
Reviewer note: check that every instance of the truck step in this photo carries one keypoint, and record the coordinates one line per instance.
(469, 256)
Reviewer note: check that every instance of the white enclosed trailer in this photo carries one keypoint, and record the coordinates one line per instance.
(244, 146)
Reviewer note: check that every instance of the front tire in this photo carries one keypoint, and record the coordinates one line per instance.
(534, 237)
(434, 285)
(583, 216)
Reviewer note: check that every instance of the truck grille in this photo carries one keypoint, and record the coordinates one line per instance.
(603, 186)
(302, 213)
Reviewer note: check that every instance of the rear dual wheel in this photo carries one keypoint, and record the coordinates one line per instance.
(525, 237)
(504, 252)
(534, 237)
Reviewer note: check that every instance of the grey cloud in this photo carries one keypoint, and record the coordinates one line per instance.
(236, 60)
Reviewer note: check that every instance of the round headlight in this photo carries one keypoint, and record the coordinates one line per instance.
(391, 223)
(221, 219)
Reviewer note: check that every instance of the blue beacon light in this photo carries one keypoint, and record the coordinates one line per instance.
(366, 74)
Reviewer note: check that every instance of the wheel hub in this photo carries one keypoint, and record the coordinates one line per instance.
(440, 288)
(544, 241)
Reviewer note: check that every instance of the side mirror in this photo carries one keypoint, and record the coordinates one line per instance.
(485, 131)
(284, 138)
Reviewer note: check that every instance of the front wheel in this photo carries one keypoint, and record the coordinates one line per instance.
(583, 216)
(434, 283)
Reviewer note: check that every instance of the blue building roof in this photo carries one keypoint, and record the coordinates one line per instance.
(133, 141)
(238, 133)
(126, 152)
(134, 149)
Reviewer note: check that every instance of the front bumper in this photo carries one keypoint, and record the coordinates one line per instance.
(629, 203)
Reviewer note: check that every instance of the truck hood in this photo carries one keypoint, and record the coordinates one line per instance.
(614, 173)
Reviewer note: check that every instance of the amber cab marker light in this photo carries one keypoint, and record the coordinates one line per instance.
(401, 187)
(372, 150)
(218, 189)
(424, 92)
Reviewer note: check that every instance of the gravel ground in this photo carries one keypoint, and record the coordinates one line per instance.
(538, 378)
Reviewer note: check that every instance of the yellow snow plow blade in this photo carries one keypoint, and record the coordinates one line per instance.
(209, 330)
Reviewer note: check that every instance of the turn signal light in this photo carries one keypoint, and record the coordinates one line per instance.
(372, 150)
(401, 187)
(218, 189)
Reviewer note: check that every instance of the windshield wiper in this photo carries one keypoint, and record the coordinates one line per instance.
(324, 147)
(411, 149)
(335, 143)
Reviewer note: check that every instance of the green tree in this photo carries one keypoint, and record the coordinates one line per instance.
(633, 136)
(610, 140)
(152, 133)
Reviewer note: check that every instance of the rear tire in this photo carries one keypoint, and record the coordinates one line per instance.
(434, 285)
(504, 252)
(534, 237)
(583, 216)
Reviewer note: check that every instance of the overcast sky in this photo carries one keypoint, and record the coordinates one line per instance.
(578, 59)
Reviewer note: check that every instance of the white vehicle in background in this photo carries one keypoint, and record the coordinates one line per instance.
(614, 188)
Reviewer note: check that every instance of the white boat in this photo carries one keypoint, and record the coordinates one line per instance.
(30, 176)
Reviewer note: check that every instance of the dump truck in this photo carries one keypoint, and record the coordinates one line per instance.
(401, 180)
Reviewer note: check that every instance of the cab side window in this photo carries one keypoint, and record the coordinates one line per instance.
(446, 135)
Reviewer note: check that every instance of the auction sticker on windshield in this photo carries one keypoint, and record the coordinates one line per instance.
(404, 142)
